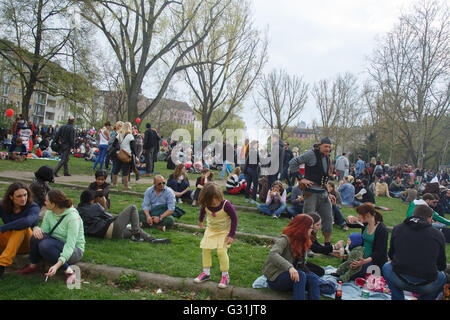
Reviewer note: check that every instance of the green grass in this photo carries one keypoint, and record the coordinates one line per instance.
(18, 287)
(183, 257)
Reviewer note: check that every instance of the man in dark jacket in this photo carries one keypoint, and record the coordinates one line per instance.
(288, 155)
(417, 254)
(66, 138)
(100, 224)
(150, 146)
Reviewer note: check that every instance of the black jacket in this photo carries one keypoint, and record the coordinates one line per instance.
(96, 220)
(66, 135)
(39, 190)
(151, 139)
(417, 249)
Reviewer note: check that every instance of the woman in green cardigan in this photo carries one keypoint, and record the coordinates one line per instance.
(60, 246)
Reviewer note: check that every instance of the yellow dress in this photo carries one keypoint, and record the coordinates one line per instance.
(217, 230)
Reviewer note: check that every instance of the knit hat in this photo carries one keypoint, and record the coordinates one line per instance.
(45, 173)
(325, 140)
(356, 239)
(148, 125)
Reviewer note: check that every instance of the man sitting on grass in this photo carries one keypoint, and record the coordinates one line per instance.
(158, 205)
(101, 224)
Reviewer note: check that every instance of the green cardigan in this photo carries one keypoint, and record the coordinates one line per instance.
(280, 259)
(70, 231)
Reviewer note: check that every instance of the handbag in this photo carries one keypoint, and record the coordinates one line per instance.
(123, 156)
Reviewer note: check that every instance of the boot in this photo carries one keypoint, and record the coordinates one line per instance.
(114, 180)
(125, 183)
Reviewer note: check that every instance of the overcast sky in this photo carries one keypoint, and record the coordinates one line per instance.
(319, 39)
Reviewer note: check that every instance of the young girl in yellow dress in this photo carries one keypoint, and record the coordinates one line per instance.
(221, 226)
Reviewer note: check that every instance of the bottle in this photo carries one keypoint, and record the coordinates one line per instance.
(365, 293)
(338, 294)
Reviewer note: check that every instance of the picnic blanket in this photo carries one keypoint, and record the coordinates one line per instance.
(350, 290)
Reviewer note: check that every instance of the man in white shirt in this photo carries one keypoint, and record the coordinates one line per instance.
(342, 164)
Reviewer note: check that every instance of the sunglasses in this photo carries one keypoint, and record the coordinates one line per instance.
(161, 183)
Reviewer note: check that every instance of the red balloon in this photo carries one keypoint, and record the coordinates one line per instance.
(138, 120)
(165, 143)
(9, 112)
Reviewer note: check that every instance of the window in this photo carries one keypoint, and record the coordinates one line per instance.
(5, 90)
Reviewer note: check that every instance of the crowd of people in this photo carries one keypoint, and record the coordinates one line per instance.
(309, 188)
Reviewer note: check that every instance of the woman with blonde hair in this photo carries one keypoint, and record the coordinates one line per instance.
(179, 182)
(126, 143)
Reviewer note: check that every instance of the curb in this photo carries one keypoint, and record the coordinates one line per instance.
(169, 283)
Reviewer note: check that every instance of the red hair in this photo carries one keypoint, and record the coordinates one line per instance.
(297, 232)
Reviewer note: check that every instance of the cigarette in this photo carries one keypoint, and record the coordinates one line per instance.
(46, 278)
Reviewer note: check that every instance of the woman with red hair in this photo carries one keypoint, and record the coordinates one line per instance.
(285, 266)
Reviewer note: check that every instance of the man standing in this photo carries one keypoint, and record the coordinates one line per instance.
(276, 157)
(158, 205)
(341, 165)
(66, 139)
(314, 184)
(360, 165)
(150, 146)
(288, 155)
(417, 254)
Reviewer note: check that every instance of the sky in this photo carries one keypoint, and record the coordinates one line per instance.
(320, 39)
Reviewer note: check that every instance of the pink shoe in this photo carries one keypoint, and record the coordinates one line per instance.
(28, 270)
(224, 282)
(202, 277)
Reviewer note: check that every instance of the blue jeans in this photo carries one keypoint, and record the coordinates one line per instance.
(295, 210)
(180, 187)
(308, 282)
(338, 217)
(50, 249)
(264, 208)
(252, 178)
(226, 167)
(426, 292)
(101, 155)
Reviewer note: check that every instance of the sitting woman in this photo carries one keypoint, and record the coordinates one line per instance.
(382, 188)
(336, 206)
(101, 189)
(178, 181)
(285, 267)
(39, 187)
(100, 224)
(234, 185)
(364, 195)
(375, 238)
(275, 201)
(60, 239)
(207, 176)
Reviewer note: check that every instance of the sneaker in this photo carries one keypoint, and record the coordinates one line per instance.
(247, 200)
(254, 202)
(274, 216)
(28, 270)
(224, 282)
(159, 241)
(310, 254)
(136, 237)
(202, 277)
(180, 201)
(344, 227)
(67, 175)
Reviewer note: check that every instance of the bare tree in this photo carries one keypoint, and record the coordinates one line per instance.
(35, 34)
(146, 33)
(235, 55)
(411, 68)
(280, 99)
